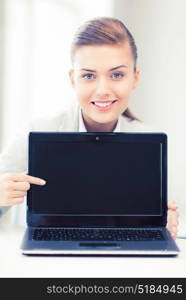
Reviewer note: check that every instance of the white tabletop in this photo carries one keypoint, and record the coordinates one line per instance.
(14, 264)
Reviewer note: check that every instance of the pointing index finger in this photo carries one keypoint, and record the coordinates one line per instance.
(35, 180)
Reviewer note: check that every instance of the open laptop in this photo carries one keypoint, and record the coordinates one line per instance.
(105, 194)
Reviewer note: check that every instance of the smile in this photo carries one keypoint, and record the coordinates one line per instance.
(103, 105)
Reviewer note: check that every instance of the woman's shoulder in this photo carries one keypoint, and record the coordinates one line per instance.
(63, 120)
(128, 125)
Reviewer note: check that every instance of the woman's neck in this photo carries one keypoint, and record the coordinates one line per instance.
(92, 126)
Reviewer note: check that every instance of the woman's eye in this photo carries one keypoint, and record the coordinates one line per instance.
(87, 76)
(117, 75)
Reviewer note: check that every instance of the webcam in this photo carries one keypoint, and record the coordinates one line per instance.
(97, 138)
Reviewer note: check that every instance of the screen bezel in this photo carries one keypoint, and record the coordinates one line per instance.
(47, 220)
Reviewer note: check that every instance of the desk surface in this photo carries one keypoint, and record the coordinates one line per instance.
(14, 264)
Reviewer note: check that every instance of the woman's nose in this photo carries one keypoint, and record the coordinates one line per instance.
(102, 89)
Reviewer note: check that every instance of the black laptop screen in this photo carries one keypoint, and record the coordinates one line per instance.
(97, 178)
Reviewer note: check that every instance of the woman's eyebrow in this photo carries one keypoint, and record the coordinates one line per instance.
(89, 70)
(121, 66)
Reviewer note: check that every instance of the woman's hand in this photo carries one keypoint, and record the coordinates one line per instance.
(13, 187)
(172, 218)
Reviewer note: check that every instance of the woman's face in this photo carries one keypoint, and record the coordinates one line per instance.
(103, 77)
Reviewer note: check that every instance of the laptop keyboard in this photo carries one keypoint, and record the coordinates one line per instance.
(66, 234)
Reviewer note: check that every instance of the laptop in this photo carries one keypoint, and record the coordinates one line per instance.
(105, 194)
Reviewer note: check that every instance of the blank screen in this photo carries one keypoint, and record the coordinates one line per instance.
(97, 178)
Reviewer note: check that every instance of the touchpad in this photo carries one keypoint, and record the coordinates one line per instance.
(92, 245)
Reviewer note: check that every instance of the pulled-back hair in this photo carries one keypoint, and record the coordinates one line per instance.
(104, 31)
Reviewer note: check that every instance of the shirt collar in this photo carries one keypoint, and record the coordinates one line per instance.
(82, 127)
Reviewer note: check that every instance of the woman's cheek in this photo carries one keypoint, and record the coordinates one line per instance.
(125, 93)
(84, 96)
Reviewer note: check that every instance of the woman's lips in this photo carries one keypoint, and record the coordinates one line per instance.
(103, 105)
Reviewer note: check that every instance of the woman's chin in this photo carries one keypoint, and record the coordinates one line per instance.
(104, 121)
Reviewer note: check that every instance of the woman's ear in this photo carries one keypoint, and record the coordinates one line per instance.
(137, 75)
(71, 76)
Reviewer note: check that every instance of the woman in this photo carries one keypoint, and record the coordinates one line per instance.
(104, 73)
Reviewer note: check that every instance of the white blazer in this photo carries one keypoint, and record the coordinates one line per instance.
(14, 157)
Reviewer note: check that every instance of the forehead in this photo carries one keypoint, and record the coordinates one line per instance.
(103, 56)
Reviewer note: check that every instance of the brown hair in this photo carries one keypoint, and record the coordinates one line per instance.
(105, 31)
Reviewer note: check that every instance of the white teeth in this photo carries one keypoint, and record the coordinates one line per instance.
(103, 104)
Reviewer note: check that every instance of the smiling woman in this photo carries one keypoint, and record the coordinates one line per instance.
(103, 75)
